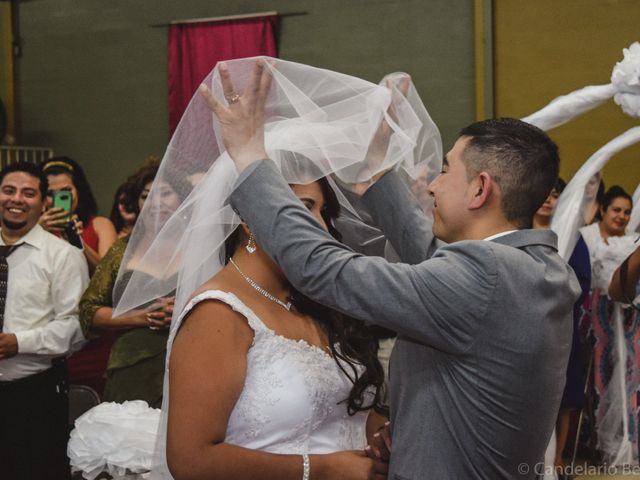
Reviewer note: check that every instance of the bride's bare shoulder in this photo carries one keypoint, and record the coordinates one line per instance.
(220, 281)
(200, 315)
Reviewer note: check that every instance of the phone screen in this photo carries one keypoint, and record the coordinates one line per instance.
(63, 199)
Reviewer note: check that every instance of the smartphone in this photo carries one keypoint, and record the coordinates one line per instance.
(63, 199)
(73, 237)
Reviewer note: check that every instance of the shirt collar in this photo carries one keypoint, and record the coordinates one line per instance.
(34, 237)
(498, 235)
(528, 237)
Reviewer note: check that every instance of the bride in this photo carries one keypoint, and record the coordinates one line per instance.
(257, 369)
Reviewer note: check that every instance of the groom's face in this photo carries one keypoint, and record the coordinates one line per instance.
(450, 191)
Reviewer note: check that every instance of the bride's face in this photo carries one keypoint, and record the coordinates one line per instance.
(312, 197)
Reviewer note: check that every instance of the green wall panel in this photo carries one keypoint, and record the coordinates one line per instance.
(93, 82)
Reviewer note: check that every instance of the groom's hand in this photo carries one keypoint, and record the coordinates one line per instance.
(379, 145)
(242, 118)
(380, 447)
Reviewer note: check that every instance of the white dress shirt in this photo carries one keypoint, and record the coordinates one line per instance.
(498, 235)
(47, 276)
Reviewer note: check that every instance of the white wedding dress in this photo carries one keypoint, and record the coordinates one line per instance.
(293, 400)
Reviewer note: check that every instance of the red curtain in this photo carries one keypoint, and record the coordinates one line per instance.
(195, 48)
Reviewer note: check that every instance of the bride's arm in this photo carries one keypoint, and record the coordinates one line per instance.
(207, 374)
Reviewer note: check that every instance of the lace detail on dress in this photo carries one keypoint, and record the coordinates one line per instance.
(291, 399)
(262, 384)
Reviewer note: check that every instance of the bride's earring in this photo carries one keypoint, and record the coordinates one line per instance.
(251, 244)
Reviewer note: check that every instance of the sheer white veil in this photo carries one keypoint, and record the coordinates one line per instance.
(319, 123)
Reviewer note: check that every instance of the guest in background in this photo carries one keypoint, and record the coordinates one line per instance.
(608, 247)
(43, 278)
(594, 193)
(135, 370)
(98, 233)
(87, 366)
(542, 218)
(573, 395)
(615, 212)
(123, 211)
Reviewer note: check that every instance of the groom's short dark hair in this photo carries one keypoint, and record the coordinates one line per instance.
(520, 158)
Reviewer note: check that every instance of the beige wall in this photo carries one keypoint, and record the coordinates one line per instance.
(547, 48)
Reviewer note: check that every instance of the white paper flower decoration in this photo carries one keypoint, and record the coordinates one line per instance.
(118, 438)
(626, 78)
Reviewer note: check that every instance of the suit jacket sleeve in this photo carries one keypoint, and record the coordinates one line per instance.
(398, 213)
(420, 301)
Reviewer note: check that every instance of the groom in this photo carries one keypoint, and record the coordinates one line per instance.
(484, 322)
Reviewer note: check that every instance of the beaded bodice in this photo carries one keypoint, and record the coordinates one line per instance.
(293, 396)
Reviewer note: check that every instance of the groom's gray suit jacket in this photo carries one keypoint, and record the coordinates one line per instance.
(484, 326)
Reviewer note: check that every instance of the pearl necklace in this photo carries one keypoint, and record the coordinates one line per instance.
(259, 289)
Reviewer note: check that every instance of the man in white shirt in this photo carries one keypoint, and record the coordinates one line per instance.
(40, 327)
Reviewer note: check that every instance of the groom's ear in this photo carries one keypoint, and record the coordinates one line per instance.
(481, 189)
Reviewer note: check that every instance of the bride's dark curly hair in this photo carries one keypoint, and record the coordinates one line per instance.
(351, 342)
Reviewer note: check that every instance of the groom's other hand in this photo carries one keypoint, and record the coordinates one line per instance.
(242, 118)
(380, 447)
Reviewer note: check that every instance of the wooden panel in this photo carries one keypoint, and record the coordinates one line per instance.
(7, 91)
(547, 48)
(483, 43)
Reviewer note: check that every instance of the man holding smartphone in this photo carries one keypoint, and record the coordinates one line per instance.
(41, 280)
